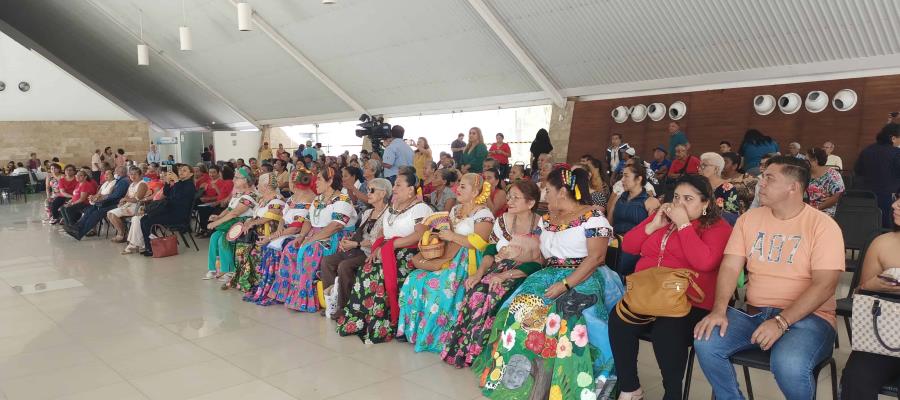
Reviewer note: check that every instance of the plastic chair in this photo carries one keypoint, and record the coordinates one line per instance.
(845, 305)
(858, 224)
(758, 359)
(858, 198)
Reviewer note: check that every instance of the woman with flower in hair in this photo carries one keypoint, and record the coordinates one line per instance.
(432, 295)
(514, 253)
(296, 211)
(220, 263)
(331, 218)
(550, 339)
(265, 219)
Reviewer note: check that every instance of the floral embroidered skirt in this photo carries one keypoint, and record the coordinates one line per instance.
(553, 348)
(246, 258)
(430, 302)
(465, 341)
(267, 272)
(298, 271)
(367, 313)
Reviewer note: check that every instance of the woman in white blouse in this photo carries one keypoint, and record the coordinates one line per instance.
(433, 293)
(128, 206)
(373, 308)
(554, 325)
(266, 217)
(220, 262)
(293, 219)
(331, 218)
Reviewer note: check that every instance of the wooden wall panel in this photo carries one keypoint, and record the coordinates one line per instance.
(726, 114)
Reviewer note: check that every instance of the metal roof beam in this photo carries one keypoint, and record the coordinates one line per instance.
(301, 59)
(518, 51)
(169, 60)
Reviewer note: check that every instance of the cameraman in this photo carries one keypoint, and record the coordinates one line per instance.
(397, 154)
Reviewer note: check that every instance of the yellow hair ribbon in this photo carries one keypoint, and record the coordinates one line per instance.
(485, 193)
(480, 245)
(577, 193)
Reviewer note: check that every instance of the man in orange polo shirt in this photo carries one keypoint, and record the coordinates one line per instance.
(794, 255)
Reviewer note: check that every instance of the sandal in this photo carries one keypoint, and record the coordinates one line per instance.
(118, 239)
(130, 250)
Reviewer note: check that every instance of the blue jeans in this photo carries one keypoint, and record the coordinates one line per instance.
(793, 357)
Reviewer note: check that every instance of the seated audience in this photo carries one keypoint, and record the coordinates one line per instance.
(687, 233)
(176, 211)
(331, 218)
(796, 151)
(19, 170)
(517, 173)
(216, 197)
(725, 194)
(72, 210)
(446, 161)
(96, 212)
(629, 209)
(794, 256)
(241, 206)
(339, 269)
(600, 190)
(496, 202)
(684, 164)
(833, 160)
(826, 186)
(427, 184)
(293, 222)
(266, 219)
(353, 177)
(865, 373)
(554, 326)
(514, 253)
(724, 147)
(128, 205)
(372, 311)
(443, 198)
(744, 183)
(754, 146)
(434, 288)
(61, 187)
(660, 164)
(762, 168)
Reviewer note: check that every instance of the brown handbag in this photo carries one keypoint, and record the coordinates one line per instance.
(658, 292)
(165, 243)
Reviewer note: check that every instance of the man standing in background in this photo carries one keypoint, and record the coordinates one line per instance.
(153, 155)
(265, 152)
(457, 147)
(310, 150)
(96, 165)
(33, 162)
(397, 154)
(676, 137)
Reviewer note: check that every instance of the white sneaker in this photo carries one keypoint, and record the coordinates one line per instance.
(209, 275)
(226, 277)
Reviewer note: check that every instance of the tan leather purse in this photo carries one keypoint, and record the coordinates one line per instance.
(658, 292)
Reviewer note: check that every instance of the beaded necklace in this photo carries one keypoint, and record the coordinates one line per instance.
(318, 205)
(394, 214)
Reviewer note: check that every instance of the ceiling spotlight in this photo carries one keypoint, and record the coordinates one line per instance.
(329, 2)
(245, 15)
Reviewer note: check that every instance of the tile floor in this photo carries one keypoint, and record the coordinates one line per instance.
(80, 321)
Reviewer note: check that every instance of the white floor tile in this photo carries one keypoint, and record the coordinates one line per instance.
(46, 360)
(159, 360)
(446, 380)
(243, 340)
(61, 382)
(191, 381)
(119, 391)
(138, 340)
(271, 360)
(328, 378)
(251, 390)
(393, 389)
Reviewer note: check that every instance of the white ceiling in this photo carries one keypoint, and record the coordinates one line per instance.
(410, 56)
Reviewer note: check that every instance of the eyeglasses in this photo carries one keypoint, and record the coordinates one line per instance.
(514, 198)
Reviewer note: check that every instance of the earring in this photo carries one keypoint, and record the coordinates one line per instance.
(704, 212)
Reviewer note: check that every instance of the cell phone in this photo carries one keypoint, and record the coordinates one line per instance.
(169, 168)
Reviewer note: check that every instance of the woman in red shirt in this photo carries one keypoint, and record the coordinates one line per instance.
(687, 233)
(501, 152)
(86, 187)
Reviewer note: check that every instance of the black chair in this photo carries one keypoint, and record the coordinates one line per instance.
(18, 186)
(858, 198)
(858, 224)
(185, 229)
(758, 359)
(688, 373)
(890, 390)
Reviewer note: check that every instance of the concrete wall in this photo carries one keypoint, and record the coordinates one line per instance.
(72, 141)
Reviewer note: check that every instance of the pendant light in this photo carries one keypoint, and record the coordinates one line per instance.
(245, 13)
(328, 2)
(142, 49)
(184, 32)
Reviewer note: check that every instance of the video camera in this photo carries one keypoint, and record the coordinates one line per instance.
(375, 128)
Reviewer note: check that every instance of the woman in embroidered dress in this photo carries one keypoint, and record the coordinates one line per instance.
(550, 338)
(432, 295)
(372, 310)
(240, 207)
(293, 218)
(331, 218)
(496, 278)
(265, 219)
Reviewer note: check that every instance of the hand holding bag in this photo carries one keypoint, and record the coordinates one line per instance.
(658, 292)
(876, 323)
(165, 243)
